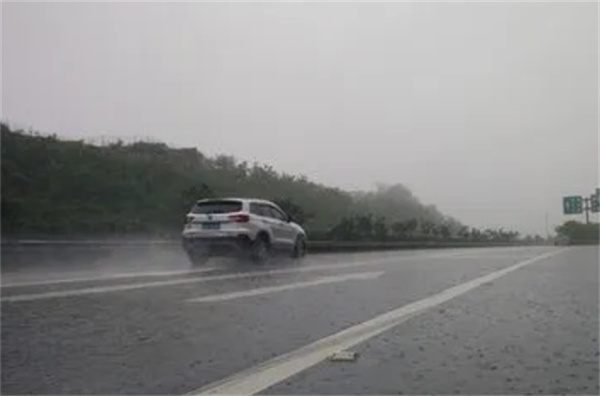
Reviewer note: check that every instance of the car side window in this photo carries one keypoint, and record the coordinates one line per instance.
(256, 209)
(268, 212)
(276, 213)
(260, 210)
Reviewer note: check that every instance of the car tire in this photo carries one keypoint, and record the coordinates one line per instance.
(299, 250)
(259, 251)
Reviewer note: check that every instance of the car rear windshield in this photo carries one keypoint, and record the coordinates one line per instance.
(217, 207)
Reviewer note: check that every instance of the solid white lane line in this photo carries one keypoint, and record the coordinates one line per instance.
(90, 277)
(157, 274)
(273, 289)
(108, 277)
(172, 282)
(239, 275)
(271, 372)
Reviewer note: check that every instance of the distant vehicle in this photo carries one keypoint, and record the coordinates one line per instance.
(252, 228)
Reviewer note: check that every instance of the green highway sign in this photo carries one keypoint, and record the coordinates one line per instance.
(573, 205)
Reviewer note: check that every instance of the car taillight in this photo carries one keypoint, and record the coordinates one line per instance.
(239, 217)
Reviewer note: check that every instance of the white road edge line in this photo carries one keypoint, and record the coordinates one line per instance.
(271, 372)
(290, 286)
(158, 274)
(451, 255)
(172, 282)
(109, 277)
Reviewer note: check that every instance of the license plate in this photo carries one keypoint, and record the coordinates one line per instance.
(211, 226)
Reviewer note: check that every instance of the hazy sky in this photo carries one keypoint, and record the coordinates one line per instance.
(488, 110)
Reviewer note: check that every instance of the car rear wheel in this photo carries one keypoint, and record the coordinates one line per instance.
(299, 250)
(259, 251)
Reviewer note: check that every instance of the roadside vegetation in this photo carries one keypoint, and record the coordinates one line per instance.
(57, 188)
(577, 232)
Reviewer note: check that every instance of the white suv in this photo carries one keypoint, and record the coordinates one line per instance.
(254, 227)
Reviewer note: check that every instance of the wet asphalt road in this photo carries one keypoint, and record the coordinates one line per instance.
(140, 323)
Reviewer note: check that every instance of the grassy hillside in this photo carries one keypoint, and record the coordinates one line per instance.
(58, 187)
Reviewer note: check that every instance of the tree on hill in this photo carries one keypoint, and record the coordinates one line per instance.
(61, 187)
(579, 232)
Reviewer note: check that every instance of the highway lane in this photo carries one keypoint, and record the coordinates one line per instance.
(27, 264)
(534, 331)
(42, 264)
(177, 333)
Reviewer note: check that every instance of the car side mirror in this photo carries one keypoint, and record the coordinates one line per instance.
(289, 218)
